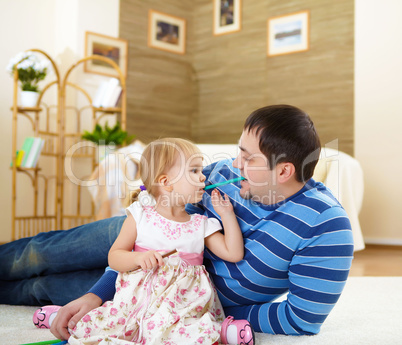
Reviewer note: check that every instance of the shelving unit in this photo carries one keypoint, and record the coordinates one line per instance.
(58, 198)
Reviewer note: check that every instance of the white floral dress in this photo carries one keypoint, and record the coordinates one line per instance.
(173, 304)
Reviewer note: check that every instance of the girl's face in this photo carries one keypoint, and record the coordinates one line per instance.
(187, 179)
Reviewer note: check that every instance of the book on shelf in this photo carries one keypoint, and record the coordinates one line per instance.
(108, 94)
(19, 156)
(26, 147)
(32, 148)
(111, 100)
(37, 154)
(97, 101)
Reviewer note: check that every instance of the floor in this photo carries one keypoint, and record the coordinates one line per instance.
(377, 261)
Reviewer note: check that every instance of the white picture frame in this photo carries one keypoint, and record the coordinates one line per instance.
(107, 46)
(288, 34)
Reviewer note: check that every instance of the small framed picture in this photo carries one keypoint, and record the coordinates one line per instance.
(111, 47)
(166, 32)
(288, 34)
(227, 16)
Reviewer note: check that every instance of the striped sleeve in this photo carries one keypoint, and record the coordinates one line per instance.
(317, 276)
(105, 287)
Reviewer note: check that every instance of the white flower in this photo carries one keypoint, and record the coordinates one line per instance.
(26, 60)
(44, 64)
(31, 69)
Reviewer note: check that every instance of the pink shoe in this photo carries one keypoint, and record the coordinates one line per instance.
(245, 333)
(42, 315)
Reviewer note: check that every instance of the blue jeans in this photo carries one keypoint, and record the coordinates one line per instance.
(56, 267)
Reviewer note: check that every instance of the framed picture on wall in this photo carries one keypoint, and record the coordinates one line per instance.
(107, 46)
(288, 34)
(166, 32)
(227, 16)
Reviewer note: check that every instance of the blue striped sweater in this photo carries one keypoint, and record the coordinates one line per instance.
(302, 246)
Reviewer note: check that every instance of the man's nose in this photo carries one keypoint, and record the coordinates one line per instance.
(237, 162)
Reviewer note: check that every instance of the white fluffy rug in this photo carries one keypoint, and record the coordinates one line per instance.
(368, 312)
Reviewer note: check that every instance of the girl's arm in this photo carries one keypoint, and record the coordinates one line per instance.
(228, 246)
(123, 259)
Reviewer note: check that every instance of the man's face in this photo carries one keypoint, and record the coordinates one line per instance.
(260, 184)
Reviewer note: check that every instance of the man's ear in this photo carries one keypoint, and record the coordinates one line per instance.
(285, 171)
(163, 181)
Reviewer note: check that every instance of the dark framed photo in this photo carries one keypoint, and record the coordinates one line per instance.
(167, 32)
(227, 16)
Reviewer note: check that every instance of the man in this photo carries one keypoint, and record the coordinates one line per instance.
(297, 237)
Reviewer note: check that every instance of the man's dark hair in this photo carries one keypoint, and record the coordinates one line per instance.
(286, 134)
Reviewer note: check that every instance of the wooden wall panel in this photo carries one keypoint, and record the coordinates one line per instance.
(230, 70)
(321, 80)
(161, 98)
(235, 75)
(206, 94)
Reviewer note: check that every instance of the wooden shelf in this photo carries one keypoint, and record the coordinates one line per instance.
(24, 109)
(79, 155)
(107, 110)
(27, 169)
(57, 199)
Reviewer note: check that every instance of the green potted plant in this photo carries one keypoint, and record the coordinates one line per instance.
(31, 70)
(108, 138)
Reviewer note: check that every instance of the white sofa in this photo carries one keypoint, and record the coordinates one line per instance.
(341, 173)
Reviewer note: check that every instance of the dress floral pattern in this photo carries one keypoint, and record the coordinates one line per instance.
(171, 305)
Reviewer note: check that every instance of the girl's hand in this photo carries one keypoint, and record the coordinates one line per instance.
(150, 259)
(222, 206)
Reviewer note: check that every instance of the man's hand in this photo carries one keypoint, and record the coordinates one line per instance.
(71, 313)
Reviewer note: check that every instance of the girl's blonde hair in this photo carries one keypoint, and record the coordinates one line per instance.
(158, 157)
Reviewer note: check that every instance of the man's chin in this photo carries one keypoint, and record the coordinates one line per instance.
(245, 194)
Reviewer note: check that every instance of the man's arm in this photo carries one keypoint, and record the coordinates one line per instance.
(105, 287)
(68, 316)
(317, 276)
(71, 313)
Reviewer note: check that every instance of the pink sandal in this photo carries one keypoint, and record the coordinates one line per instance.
(42, 315)
(245, 333)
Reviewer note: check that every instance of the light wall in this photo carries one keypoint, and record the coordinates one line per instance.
(378, 117)
(378, 104)
(58, 28)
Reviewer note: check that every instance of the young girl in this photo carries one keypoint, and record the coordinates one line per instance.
(171, 300)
